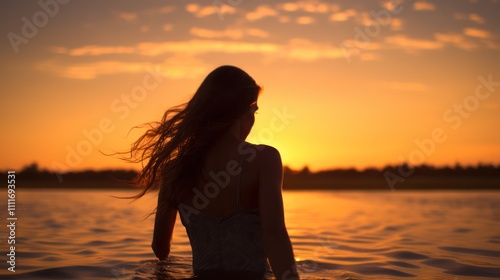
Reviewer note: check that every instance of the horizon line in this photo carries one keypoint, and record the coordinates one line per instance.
(285, 166)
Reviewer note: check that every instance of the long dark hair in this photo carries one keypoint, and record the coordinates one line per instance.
(172, 150)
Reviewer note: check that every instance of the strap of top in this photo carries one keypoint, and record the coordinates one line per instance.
(239, 183)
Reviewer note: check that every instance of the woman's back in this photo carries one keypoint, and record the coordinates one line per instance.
(222, 217)
(228, 192)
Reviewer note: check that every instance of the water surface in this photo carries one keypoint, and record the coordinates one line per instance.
(87, 234)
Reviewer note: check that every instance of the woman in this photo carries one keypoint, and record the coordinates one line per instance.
(227, 191)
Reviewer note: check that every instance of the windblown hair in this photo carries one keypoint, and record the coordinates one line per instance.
(173, 150)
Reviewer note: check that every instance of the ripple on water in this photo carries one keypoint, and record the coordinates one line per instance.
(361, 250)
(99, 230)
(374, 247)
(403, 264)
(30, 255)
(376, 269)
(368, 237)
(86, 252)
(393, 228)
(97, 243)
(494, 239)
(66, 272)
(349, 259)
(130, 239)
(470, 251)
(351, 270)
(52, 259)
(406, 255)
(462, 230)
(455, 268)
(53, 224)
(410, 241)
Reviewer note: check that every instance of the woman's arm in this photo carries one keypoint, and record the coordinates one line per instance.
(277, 245)
(163, 228)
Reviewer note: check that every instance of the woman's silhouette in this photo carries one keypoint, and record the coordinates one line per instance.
(227, 191)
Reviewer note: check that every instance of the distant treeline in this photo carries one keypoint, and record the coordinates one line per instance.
(404, 176)
(481, 176)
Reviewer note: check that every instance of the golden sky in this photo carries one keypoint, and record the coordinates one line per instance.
(346, 83)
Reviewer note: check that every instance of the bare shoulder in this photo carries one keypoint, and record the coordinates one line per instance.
(268, 157)
(268, 152)
(258, 151)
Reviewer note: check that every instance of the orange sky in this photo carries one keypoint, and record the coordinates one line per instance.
(346, 83)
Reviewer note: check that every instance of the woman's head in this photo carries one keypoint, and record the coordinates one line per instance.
(174, 148)
(226, 94)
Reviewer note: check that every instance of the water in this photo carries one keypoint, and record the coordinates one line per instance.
(336, 235)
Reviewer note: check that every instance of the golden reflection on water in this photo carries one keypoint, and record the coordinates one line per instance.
(361, 235)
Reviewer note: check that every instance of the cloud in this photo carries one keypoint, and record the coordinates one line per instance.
(97, 50)
(231, 33)
(471, 17)
(372, 19)
(365, 19)
(204, 46)
(183, 53)
(413, 44)
(304, 20)
(200, 11)
(478, 33)
(307, 6)
(457, 40)
(260, 12)
(335, 7)
(392, 5)
(290, 6)
(396, 24)
(305, 50)
(130, 17)
(87, 71)
(449, 38)
(492, 45)
(343, 16)
(299, 49)
(192, 8)
(476, 18)
(175, 67)
(170, 47)
(424, 6)
(159, 11)
(182, 66)
(356, 46)
(168, 26)
(256, 32)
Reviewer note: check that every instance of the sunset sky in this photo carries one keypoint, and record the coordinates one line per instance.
(346, 83)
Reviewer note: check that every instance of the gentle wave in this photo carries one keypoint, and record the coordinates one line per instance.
(442, 236)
